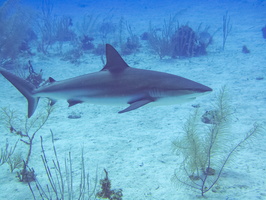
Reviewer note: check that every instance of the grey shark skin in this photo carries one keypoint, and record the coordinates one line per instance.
(116, 83)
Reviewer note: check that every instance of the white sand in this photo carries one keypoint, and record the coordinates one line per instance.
(135, 147)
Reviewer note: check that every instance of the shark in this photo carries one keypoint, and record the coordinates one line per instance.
(116, 83)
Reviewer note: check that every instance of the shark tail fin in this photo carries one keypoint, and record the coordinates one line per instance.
(25, 87)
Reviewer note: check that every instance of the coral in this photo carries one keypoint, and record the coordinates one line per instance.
(53, 29)
(144, 36)
(64, 180)
(86, 42)
(15, 161)
(34, 78)
(159, 39)
(46, 25)
(15, 21)
(26, 175)
(106, 28)
(64, 30)
(99, 50)
(6, 154)
(177, 41)
(87, 25)
(73, 55)
(209, 117)
(186, 43)
(227, 27)
(27, 135)
(131, 46)
(205, 154)
(106, 191)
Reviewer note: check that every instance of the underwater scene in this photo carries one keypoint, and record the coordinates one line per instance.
(132, 99)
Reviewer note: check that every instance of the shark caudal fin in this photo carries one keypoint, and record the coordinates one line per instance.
(24, 87)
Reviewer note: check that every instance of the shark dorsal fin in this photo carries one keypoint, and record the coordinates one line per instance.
(114, 62)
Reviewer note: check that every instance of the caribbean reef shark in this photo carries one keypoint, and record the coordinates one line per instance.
(116, 83)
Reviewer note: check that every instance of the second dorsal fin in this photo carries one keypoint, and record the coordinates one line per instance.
(51, 80)
(114, 62)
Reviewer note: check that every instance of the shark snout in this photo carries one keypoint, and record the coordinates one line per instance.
(197, 87)
(203, 89)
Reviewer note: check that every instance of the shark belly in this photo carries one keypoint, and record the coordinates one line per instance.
(101, 96)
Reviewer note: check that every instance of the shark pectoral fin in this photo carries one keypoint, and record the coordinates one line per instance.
(73, 102)
(136, 104)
